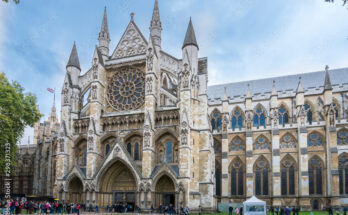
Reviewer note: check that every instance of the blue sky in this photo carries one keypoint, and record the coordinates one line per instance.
(243, 39)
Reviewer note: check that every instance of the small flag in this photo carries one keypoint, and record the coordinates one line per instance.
(50, 90)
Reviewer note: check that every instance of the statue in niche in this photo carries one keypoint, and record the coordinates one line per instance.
(149, 60)
(66, 93)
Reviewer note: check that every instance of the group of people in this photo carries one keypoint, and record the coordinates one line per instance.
(285, 210)
(337, 210)
(237, 211)
(41, 207)
(122, 208)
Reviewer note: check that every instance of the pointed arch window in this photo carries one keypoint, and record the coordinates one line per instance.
(237, 179)
(288, 177)
(237, 120)
(283, 116)
(136, 151)
(169, 152)
(216, 121)
(309, 112)
(129, 148)
(315, 139)
(315, 173)
(287, 142)
(107, 149)
(261, 143)
(261, 177)
(343, 173)
(342, 138)
(237, 144)
(259, 118)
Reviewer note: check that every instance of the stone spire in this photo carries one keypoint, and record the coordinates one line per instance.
(327, 84)
(190, 38)
(274, 89)
(225, 95)
(299, 86)
(104, 36)
(156, 27)
(74, 59)
(248, 95)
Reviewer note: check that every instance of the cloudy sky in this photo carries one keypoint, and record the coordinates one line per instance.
(243, 39)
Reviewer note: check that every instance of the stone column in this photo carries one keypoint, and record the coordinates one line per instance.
(276, 166)
(224, 163)
(249, 164)
(49, 166)
(332, 156)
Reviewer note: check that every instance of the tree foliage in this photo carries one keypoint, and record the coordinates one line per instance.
(15, 1)
(332, 1)
(17, 110)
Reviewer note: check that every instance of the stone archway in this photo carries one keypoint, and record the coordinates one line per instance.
(75, 190)
(118, 185)
(165, 192)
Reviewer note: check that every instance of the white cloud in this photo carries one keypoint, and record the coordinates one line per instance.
(4, 8)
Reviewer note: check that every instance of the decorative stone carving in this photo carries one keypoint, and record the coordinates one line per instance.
(61, 144)
(149, 60)
(126, 90)
(147, 136)
(224, 123)
(90, 143)
(66, 94)
(131, 43)
(94, 92)
(248, 120)
(184, 77)
(149, 85)
(184, 133)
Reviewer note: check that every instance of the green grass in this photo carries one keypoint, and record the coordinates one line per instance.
(269, 213)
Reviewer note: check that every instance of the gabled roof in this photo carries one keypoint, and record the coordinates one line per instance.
(132, 42)
(74, 58)
(190, 37)
(311, 82)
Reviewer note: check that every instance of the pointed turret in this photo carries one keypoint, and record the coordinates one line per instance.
(274, 89)
(156, 27)
(225, 95)
(104, 36)
(299, 87)
(248, 94)
(74, 59)
(327, 84)
(190, 38)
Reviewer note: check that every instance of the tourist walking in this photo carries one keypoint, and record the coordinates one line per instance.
(230, 210)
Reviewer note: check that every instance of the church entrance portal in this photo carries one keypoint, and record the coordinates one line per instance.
(75, 190)
(118, 186)
(165, 192)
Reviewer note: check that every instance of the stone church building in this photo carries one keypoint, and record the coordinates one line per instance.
(143, 127)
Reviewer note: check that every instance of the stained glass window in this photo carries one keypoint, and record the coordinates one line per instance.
(129, 148)
(237, 120)
(259, 118)
(216, 121)
(287, 142)
(237, 179)
(107, 149)
(237, 144)
(169, 152)
(261, 177)
(314, 139)
(136, 151)
(342, 137)
(261, 143)
(315, 176)
(283, 116)
(126, 89)
(287, 177)
(343, 173)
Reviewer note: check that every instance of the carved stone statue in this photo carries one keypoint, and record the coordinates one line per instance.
(225, 123)
(184, 133)
(185, 76)
(90, 143)
(248, 121)
(332, 118)
(149, 60)
(149, 84)
(94, 92)
(147, 136)
(66, 93)
(61, 144)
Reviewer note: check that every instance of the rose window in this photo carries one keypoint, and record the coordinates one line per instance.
(126, 89)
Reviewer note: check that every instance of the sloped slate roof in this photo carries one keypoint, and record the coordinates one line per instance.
(313, 83)
(190, 37)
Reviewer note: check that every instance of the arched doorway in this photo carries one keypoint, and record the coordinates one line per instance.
(75, 190)
(165, 192)
(118, 186)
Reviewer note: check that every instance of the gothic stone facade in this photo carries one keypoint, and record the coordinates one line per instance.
(143, 127)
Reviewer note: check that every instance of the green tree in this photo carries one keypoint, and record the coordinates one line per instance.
(15, 1)
(17, 110)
